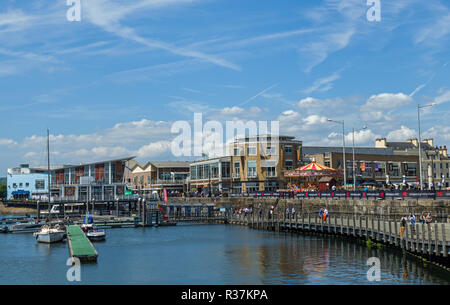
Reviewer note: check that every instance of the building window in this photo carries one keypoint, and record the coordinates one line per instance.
(394, 169)
(410, 169)
(271, 172)
(39, 184)
(15, 185)
(327, 163)
(251, 151)
(251, 173)
(288, 150)
(270, 150)
(289, 164)
(236, 170)
(380, 169)
(236, 152)
(27, 184)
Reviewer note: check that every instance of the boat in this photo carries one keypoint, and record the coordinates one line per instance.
(28, 227)
(96, 235)
(4, 229)
(88, 224)
(49, 233)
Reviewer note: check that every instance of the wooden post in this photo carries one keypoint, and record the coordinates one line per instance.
(413, 248)
(367, 227)
(348, 225)
(384, 231)
(390, 232)
(436, 240)
(429, 240)
(296, 220)
(406, 237)
(378, 229)
(423, 239)
(444, 241)
(396, 233)
(360, 226)
(354, 225)
(342, 225)
(309, 221)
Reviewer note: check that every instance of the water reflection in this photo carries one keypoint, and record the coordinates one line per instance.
(211, 254)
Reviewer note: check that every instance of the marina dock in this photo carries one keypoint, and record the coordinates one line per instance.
(80, 246)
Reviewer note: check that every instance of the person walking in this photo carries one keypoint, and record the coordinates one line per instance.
(321, 213)
(293, 212)
(422, 218)
(325, 214)
(402, 227)
(428, 221)
(412, 222)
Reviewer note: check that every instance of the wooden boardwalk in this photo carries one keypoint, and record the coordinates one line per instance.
(420, 239)
(80, 246)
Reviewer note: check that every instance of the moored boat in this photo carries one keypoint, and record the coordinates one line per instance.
(50, 234)
(96, 235)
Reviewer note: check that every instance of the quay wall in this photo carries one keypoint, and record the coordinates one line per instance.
(388, 209)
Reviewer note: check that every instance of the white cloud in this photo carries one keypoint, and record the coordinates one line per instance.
(378, 107)
(323, 84)
(154, 149)
(401, 134)
(7, 142)
(444, 98)
(232, 110)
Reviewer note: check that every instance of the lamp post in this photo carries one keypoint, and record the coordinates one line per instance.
(420, 141)
(353, 167)
(343, 148)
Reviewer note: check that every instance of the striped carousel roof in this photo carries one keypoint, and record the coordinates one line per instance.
(314, 166)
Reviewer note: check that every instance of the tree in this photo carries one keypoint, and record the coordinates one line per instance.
(3, 190)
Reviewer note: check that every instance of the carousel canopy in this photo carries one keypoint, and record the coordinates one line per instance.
(313, 169)
(314, 166)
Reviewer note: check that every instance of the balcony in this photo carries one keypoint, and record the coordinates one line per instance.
(236, 175)
(252, 175)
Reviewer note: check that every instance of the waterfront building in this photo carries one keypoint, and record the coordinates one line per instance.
(381, 167)
(102, 180)
(435, 160)
(259, 162)
(255, 163)
(211, 175)
(144, 178)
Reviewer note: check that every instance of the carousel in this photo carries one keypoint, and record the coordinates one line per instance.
(312, 177)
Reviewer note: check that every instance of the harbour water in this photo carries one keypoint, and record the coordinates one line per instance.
(210, 254)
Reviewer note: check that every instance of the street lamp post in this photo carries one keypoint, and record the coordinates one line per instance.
(353, 167)
(420, 141)
(343, 149)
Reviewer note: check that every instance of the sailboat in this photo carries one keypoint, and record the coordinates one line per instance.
(48, 233)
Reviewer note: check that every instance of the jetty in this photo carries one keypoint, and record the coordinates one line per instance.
(80, 246)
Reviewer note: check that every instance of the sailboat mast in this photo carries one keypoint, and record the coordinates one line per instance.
(48, 170)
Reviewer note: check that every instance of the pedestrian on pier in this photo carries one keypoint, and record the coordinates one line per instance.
(321, 212)
(402, 227)
(325, 214)
(428, 220)
(293, 212)
(412, 222)
(287, 212)
(422, 218)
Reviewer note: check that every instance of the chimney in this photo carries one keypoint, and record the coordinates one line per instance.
(414, 142)
(381, 143)
(430, 142)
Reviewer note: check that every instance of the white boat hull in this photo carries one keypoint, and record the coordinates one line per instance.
(50, 237)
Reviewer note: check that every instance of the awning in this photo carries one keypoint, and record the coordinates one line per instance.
(20, 192)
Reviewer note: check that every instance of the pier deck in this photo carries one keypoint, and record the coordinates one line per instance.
(80, 246)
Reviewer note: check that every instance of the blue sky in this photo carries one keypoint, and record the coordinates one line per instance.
(112, 84)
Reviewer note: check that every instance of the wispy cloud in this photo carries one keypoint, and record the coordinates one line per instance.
(108, 15)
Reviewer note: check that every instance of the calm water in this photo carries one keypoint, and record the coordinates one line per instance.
(209, 254)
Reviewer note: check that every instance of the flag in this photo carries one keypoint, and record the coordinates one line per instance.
(165, 195)
(363, 166)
